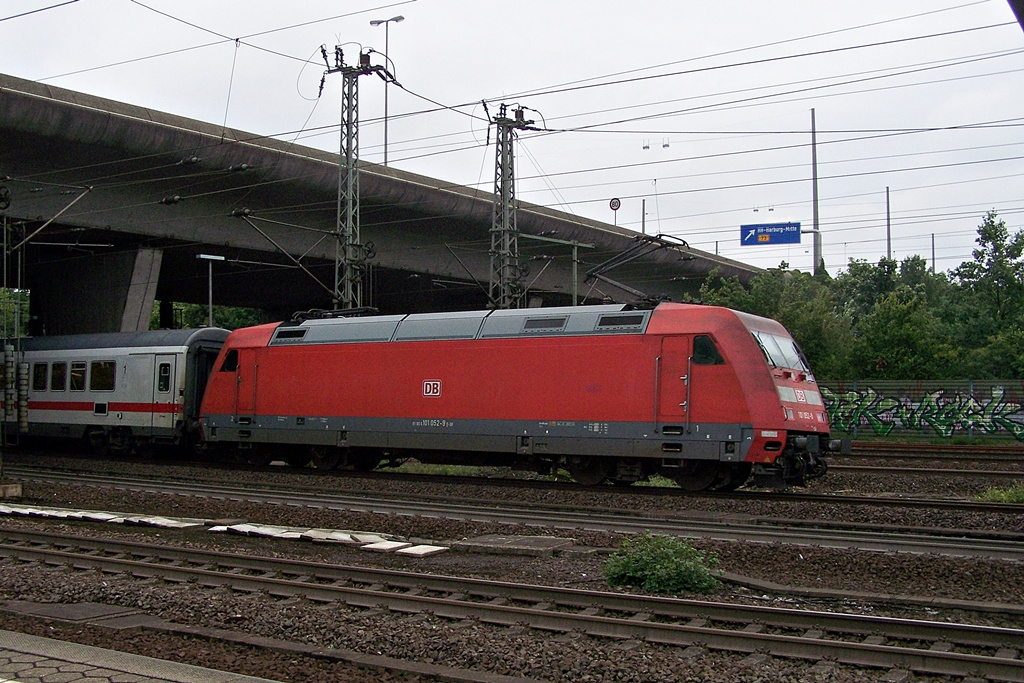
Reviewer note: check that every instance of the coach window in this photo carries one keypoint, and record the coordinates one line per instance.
(705, 352)
(101, 375)
(58, 377)
(78, 375)
(163, 382)
(39, 376)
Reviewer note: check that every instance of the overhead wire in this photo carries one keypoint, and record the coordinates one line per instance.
(775, 43)
(223, 38)
(38, 10)
(427, 99)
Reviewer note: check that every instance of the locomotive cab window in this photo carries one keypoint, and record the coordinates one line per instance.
(781, 352)
(705, 352)
(39, 371)
(78, 375)
(230, 363)
(101, 375)
(58, 377)
(163, 382)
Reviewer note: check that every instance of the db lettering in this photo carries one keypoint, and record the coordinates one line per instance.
(431, 388)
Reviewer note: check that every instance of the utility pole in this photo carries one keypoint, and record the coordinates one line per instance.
(816, 231)
(350, 254)
(888, 227)
(506, 289)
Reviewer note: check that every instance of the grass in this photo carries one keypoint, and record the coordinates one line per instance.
(1014, 494)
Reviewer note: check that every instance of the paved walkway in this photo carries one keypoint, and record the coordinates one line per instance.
(31, 658)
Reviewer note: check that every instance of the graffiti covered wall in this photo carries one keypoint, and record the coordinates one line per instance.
(927, 409)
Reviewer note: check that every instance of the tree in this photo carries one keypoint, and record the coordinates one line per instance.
(863, 285)
(196, 315)
(802, 303)
(14, 312)
(996, 275)
(901, 339)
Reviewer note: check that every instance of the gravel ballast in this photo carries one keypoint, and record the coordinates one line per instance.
(508, 651)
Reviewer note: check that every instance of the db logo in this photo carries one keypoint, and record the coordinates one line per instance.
(431, 388)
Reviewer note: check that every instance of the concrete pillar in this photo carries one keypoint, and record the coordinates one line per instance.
(138, 302)
(94, 293)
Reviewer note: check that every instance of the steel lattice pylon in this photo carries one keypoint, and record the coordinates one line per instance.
(350, 255)
(350, 258)
(506, 288)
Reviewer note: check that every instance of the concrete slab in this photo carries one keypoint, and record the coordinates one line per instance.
(367, 538)
(165, 522)
(76, 612)
(268, 530)
(421, 550)
(385, 546)
(327, 536)
(58, 514)
(99, 516)
(10, 490)
(535, 546)
(378, 542)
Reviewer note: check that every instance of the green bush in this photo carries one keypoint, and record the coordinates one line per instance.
(1014, 494)
(662, 564)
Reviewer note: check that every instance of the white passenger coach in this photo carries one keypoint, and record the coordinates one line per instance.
(118, 391)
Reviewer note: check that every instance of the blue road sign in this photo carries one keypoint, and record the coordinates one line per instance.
(770, 233)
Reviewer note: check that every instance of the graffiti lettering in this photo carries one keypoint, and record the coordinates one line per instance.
(941, 412)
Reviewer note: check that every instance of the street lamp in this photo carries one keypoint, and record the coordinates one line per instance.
(386, 22)
(210, 258)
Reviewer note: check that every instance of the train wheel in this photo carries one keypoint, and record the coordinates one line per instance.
(143, 448)
(364, 462)
(98, 442)
(325, 457)
(735, 477)
(299, 459)
(257, 456)
(588, 471)
(697, 475)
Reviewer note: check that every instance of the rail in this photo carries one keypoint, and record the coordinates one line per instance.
(926, 647)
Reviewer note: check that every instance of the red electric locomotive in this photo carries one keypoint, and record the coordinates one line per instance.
(704, 395)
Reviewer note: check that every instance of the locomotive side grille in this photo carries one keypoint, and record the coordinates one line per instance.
(619, 321)
(544, 323)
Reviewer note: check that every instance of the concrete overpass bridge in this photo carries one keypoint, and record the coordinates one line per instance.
(109, 205)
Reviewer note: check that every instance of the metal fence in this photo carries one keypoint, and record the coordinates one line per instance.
(992, 410)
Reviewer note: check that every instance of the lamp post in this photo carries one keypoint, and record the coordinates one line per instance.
(210, 258)
(386, 22)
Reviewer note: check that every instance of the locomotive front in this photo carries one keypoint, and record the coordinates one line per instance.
(789, 448)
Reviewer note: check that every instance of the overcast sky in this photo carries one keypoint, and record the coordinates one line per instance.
(703, 110)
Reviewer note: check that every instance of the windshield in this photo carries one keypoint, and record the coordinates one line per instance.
(780, 352)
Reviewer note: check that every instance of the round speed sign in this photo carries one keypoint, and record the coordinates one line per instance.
(615, 204)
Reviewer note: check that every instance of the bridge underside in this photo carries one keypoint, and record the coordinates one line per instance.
(110, 204)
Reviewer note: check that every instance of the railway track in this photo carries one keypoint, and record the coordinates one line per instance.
(792, 495)
(973, 452)
(831, 534)
(921, 646)
(1008, 475)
